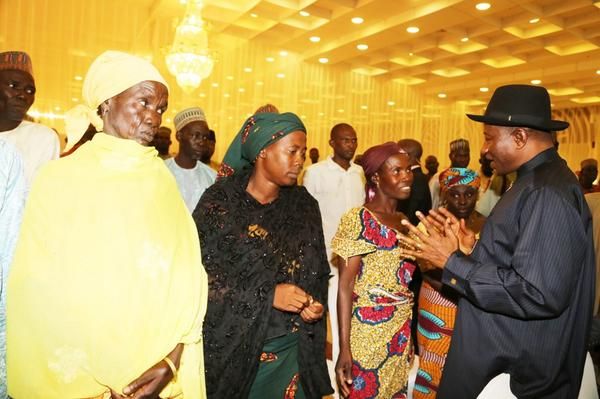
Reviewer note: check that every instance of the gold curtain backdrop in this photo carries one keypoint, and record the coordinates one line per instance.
(64, 36)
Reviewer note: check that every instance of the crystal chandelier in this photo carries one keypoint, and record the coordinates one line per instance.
(188, 58)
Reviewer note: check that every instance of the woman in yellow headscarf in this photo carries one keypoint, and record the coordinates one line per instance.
(107, 291)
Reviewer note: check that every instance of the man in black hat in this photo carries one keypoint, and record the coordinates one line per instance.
(527, 285)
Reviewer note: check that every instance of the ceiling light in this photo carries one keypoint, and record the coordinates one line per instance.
(226, 95)
(357, 20)
(363, 107)
(442, 95)
(241, 90)
(280, 75)
(259, 83)
(321, 113)
(464, 39)
(412, 29)
(536, 82)
(229, 77)
(598, 71)
(75, 99)
(534, 20)
(253, 15)
(340, 110)
(78, 77)
(57, 108)
(484, 89)
(362, 47)
(411, 54)
(283, 53)
(391, 103)
(270, 59)
(215, 84)
(202, 95)
(248, 69)
(315, 39)
(305, 13)
(483, 6)
(323, 60)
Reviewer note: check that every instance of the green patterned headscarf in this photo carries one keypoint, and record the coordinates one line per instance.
(258, 132)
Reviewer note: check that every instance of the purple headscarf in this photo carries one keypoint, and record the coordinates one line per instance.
(372, 160)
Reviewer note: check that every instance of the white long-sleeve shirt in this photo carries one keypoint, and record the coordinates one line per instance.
(337, 190)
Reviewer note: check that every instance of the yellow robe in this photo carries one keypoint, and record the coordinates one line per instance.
(106, 279)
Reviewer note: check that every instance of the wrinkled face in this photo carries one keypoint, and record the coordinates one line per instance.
(136, 113)
(432, 164)
(194, 139)
(344, 143)
(460, 158)
(588, 175)
(395, 177)
(460, 200)
(500, 148)
(17, 93)
(282, 161)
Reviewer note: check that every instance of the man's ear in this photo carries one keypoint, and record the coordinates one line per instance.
(262, 154)
(520, 137)
(178, 135)
(331, 143)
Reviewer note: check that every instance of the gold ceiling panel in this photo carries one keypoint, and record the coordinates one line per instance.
(459, 48)
(565, 91)
(450, 72)
(504, 61)
(577, 48)
(410, 60)
(533, 30)
(586, 100)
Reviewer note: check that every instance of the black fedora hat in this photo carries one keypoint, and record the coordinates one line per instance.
(520, 106)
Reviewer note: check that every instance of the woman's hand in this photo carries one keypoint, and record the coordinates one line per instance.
(313, 312)
(343, 372)
(152, 381)
(290, 298)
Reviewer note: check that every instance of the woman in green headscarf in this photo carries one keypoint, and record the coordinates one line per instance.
(263, 249)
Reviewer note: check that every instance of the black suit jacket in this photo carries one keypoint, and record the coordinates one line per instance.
(527, 290)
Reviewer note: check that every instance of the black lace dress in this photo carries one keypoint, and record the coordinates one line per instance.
(247, 249)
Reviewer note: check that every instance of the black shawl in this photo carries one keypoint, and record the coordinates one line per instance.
(248, 248)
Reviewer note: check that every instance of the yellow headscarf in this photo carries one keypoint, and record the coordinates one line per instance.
(110, 74)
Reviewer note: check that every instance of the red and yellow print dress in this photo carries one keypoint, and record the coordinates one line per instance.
(382, 306)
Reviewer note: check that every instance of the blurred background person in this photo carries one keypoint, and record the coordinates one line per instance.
(588, 175)
(208, 150)
(193, 176)
(36, 143)
(460, 156)
(162, 142)
(432, 165)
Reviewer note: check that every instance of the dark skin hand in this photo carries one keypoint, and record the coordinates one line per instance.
(291, 298)
(343, 366)
(435, 246)
(152, 381)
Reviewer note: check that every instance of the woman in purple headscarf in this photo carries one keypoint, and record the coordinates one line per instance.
(374, 301)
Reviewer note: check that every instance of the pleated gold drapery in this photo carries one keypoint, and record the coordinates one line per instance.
(64, 36)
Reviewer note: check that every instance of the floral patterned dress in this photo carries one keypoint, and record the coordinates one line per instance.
(382, 306)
